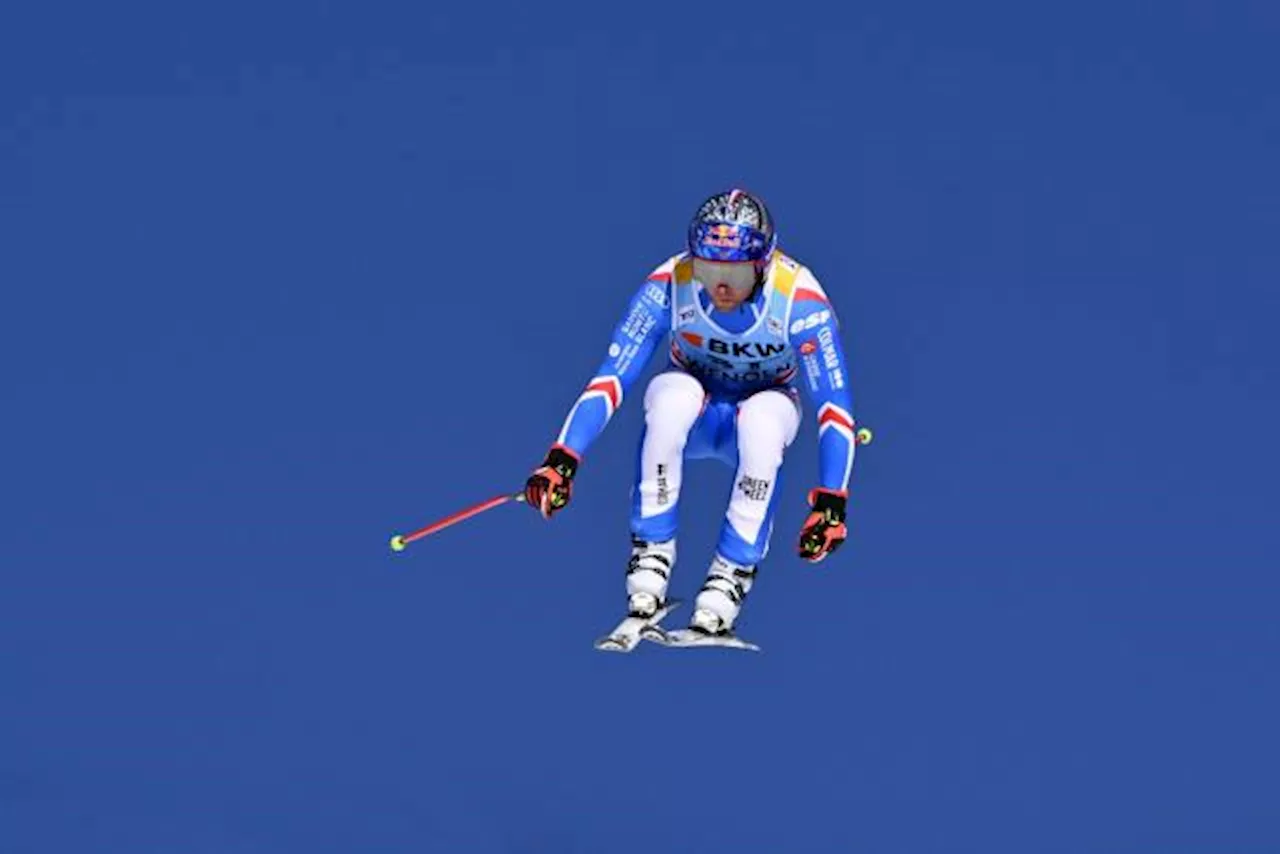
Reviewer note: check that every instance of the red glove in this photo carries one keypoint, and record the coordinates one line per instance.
(549, 487)
(824, 530)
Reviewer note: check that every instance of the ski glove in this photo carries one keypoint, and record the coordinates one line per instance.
(549, 487)
(824, 530)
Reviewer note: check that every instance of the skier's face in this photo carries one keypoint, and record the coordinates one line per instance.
(728, 283)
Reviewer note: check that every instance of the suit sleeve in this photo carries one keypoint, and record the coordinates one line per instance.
(814, 332)
(634, 340)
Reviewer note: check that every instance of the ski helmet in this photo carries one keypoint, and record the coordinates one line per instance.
(733, 226)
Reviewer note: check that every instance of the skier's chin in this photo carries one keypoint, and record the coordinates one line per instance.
(725, 298)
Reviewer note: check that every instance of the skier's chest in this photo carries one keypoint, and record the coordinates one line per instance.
(757, 353)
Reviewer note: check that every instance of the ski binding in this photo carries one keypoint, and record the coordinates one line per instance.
(626, 634)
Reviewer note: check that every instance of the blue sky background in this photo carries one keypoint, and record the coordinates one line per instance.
(282, 279)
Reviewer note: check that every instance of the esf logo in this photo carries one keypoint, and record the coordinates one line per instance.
(815, 319)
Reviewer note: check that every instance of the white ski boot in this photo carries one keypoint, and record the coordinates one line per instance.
(715, 610)
(648, 573)
(708, 622)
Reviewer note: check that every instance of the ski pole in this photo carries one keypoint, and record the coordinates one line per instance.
(399, 541)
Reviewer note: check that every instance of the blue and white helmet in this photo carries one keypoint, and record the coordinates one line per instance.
(733, 226)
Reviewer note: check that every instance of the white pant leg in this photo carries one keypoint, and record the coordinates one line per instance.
(672, 403)
(767, 425)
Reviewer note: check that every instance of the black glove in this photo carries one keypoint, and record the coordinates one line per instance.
(549, 487)
(824, 530)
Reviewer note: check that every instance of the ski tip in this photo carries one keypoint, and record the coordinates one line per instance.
(612, 645)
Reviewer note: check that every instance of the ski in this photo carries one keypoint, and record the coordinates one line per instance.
(626, 634)
(692, 638)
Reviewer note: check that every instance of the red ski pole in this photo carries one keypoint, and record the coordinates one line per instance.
(399, 541)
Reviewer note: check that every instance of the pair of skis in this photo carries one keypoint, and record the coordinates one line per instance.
(631, 630)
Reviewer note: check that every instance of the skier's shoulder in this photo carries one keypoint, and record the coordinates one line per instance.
(797, 281)
(658, 285)
(807, 304)
(678, 269)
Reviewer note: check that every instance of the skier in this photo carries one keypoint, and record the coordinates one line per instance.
(744, 322)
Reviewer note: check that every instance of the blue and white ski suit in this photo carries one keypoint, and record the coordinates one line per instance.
(730, 394)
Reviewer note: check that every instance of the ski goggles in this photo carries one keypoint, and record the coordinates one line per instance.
(739, 275)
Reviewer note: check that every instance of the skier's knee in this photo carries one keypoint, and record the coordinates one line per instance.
(674, 392)
(766, 426)
(769, 413)
(672, 403)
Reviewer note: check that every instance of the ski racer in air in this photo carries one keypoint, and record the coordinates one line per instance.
(745, 325)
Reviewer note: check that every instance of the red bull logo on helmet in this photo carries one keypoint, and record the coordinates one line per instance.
(722, 236)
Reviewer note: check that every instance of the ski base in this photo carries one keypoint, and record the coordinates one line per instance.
(626, 634)
(692, 638)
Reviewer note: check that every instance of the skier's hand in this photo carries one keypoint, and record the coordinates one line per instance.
(549, 487)
(824, 530)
